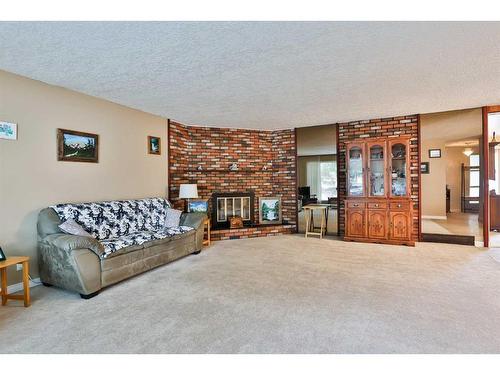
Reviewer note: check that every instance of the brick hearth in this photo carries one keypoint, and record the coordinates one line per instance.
(260, 231)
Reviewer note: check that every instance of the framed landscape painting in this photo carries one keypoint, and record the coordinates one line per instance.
(270, 210)
(198, 206)
(77, 146)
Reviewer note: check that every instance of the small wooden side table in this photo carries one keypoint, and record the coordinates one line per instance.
(309, 215)
(12, 261)
(206, 223)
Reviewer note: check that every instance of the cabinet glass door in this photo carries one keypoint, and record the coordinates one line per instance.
(399, 169)
(376, 175)
(355, 185)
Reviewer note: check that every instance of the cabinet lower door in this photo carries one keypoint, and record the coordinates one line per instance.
(400, 225)
(377, 224)
(355, 223)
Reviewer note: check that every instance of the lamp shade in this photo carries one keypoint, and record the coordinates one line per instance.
(188, 191)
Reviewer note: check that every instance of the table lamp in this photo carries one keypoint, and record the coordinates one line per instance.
(188, 191)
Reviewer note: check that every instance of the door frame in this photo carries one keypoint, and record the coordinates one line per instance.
(336, 140)
(485, 168)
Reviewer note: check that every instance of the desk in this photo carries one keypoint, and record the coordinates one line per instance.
(12, 261)
(309, 216)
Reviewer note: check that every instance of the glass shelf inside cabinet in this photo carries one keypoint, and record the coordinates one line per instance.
(355, 186)
(377, 173)
(398, 173)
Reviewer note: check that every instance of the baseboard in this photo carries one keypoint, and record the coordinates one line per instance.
(19, 286)
(434, 217)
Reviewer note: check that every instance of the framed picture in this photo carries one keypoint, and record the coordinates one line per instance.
(77, 146)
(8, 131)
(424, 167)
(270, 210)
(154, 145)
(435, 153)
(198, 205)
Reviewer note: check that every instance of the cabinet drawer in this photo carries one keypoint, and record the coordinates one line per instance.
(377, 205)
(399, 206)
(356, 204)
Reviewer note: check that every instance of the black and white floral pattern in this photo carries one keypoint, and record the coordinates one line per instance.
(111, 246)
(118, 224)
(115, 219)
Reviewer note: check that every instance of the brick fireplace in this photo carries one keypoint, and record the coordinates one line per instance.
(227, 205)
(232, 162)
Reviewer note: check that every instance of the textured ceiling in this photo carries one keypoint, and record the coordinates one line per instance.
(264, 74)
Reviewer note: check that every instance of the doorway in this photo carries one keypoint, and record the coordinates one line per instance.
(451, 177)
(317, 173)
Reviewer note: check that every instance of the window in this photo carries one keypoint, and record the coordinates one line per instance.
(328, 177)
(320, 174)
(474, 176)
(474, 160)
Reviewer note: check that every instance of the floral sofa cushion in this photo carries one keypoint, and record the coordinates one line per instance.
(113, 245)
(116, 219)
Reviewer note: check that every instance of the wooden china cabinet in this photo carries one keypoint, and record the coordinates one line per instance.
(378, 205)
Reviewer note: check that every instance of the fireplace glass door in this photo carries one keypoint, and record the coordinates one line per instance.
(233, 206)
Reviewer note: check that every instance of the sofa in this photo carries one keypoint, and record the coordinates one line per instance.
(123, 239)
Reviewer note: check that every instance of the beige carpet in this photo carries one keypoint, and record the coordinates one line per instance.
(278, 295)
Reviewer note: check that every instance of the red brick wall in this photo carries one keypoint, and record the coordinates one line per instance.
(266, 162)
(390, 127)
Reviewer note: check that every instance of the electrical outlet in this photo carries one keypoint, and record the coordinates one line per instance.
(19, 267)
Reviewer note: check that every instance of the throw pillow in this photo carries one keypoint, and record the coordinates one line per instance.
(173, 218)
(72, 227)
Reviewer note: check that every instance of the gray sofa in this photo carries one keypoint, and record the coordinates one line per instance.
(128, 238)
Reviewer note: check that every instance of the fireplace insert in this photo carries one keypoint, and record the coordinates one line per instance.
(227, 205)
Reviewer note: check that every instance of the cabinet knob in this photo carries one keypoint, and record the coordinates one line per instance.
(356, 205)
(376, 205)
(399, 205)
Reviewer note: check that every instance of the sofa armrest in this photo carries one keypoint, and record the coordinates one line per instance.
(70, 262)
(69, 242)
(193, 219)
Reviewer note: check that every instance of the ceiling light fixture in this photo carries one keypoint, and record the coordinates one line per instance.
(468, 151)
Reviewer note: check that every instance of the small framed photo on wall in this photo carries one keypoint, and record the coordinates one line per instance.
(154, 145)
(424, 167)
(8, 131)
(435, 153)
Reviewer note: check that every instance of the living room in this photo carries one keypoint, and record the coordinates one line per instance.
(249, 188)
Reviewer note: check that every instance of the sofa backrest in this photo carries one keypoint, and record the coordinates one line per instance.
(114, 219)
